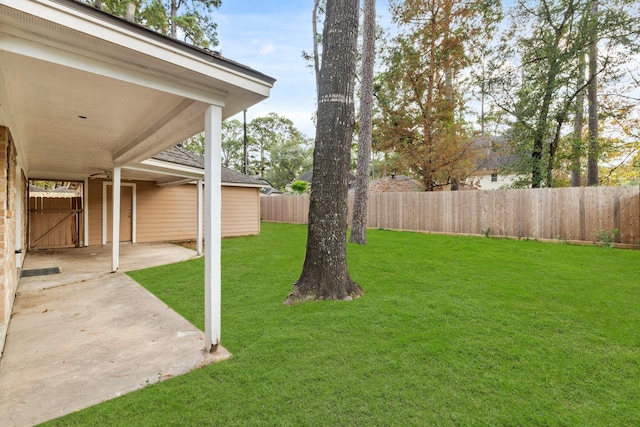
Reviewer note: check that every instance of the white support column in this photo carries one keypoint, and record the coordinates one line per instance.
(199, 221)
(213, 226)
(115, 236)
(85, 207)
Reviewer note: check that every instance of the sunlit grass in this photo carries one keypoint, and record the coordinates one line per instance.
(450, 331)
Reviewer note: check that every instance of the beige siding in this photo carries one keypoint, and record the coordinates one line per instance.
(169, 213)
(166, 213)
(240, 211)
(94, 204)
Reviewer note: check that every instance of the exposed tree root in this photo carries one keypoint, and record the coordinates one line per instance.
(303, 292)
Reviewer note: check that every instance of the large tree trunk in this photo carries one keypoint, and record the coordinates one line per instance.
(174, 14)
(360, 199)
(325, 274)
(576, 147)
(592, 95)
(316, 55)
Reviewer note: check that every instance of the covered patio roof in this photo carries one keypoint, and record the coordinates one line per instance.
(82, 90)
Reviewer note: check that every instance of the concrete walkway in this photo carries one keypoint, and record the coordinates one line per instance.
(86, 335)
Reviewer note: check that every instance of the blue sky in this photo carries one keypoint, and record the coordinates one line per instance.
(270, 36)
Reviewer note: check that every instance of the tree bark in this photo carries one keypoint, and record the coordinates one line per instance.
(324, 273)
(361, 196)
(576, 147)
(316, 55)
(592, 95)
(174, 14)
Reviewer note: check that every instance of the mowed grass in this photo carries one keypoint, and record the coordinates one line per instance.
(450, 331)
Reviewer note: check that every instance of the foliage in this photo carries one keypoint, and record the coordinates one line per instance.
(606, 238)
(419, 94)
(299, 187)
(509, 333)
(279, 151)
(233, 144)
(185, 19)
(276, 150)
(620, 156)
(195, 144)
(538, 73)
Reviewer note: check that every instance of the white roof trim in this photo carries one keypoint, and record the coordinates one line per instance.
(189, 173)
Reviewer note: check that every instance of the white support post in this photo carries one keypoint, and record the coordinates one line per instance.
(199, 221)
(213, 226)
(85, 208)
(115, 236)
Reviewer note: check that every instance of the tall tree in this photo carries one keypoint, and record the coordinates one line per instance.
(325, 274)
(592, 95)
(421, 104)
(539, 78)
(277, 147)
(360, 199)
(232, 145)
(576, 143)
(316, 40)
(313, 58)
(187, 19)
(540, 91)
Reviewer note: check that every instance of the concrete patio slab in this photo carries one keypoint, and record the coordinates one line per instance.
(86, 335)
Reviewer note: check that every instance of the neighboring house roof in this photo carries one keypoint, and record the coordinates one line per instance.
(395, 184)
(178, 155)
(494, 155)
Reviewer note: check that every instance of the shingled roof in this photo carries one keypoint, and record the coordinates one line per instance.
(395, 184)
(178, 155)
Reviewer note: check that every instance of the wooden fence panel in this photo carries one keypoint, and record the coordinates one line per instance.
(573, 214)
(286, 208)
(54, 222)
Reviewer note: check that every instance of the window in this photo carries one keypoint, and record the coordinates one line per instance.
(494, 177)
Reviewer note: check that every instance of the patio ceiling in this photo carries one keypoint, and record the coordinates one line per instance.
(82, 91)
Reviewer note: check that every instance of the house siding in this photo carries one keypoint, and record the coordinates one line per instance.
(240, 211)
(166, 213)
(169, 213)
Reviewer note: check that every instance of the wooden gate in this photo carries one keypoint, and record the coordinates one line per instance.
(54, 222)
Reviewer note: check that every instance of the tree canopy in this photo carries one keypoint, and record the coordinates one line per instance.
(188, 20)
(420, 93)
(539, 79)
(533, 77)
(277, 150)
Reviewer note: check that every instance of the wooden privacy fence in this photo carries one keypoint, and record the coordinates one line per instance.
(572, 214)
(54, 222)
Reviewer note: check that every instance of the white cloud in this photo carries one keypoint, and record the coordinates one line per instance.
(267, 49)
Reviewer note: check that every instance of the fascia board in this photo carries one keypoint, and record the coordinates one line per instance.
(166, 168)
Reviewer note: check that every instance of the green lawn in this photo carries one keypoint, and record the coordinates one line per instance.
(450, 331)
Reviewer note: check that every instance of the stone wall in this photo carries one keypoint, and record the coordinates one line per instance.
(8, 270)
